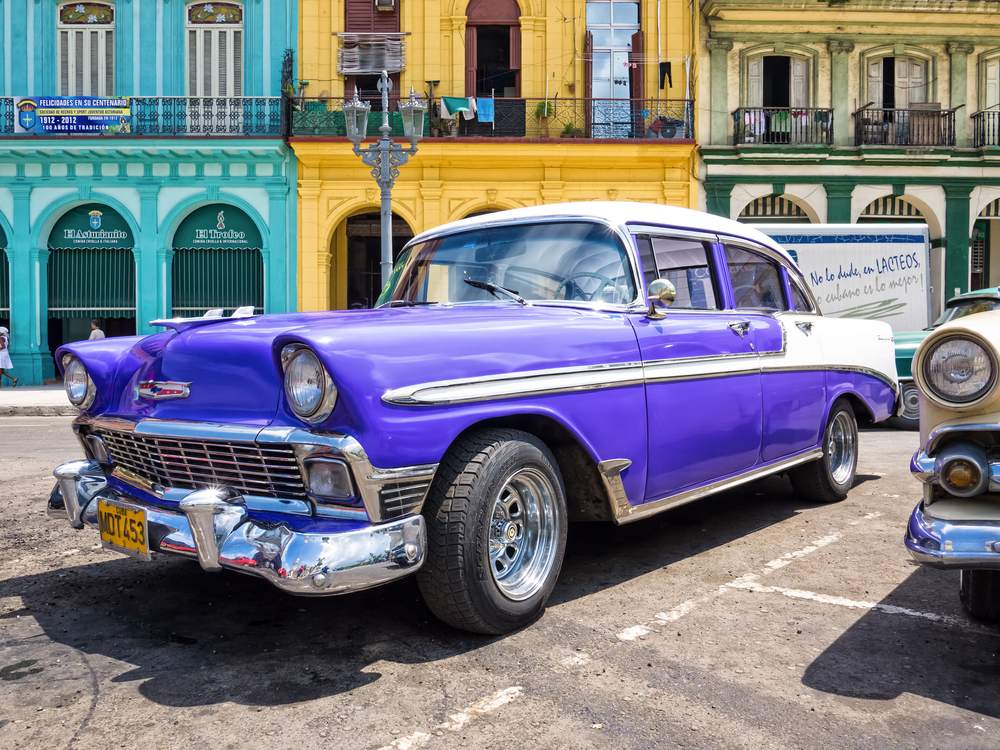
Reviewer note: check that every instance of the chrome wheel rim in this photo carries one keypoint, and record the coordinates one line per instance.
(841, 445)
(522, 534)
(911, 402)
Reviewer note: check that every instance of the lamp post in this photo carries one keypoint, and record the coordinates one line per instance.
(385, 157)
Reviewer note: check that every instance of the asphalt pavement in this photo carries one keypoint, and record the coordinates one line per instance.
(747, 620)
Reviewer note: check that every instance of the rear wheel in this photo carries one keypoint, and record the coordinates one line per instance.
(909, 417)
(829, 479)
(496, 532)
(979, 591)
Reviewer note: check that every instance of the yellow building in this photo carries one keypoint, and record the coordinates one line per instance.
(590, 106)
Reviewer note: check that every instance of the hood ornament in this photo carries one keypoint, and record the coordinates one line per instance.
(163, 391)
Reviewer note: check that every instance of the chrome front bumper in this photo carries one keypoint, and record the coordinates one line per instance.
(213, 526)
(947, 544)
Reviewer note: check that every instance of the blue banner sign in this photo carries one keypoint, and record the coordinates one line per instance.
(43, 115)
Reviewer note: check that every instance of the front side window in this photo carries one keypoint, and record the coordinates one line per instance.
(214, 49)
(571, 262)
(756, 281)
(685, 264)
(802, 298)
(86, 49)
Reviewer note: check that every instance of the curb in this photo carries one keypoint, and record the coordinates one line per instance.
(39, 411)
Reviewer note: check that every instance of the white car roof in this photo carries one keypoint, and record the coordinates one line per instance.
(620, 213)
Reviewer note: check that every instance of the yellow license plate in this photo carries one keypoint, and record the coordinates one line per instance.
(123, 528)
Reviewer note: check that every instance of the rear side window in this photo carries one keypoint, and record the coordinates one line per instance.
(684, 263)
(802, 298)
(756, 281)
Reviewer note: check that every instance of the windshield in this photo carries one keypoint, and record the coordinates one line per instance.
(971, 307)
(570, 261)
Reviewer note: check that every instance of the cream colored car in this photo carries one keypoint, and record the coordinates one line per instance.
(957, 523)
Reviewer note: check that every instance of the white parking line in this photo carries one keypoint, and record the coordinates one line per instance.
(749, 583)
(638, 631)
(456, 721)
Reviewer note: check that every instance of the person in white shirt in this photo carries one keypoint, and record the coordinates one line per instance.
(5, 363)
(95, 330)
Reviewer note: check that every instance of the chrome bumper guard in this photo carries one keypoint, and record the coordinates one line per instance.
(966, 545)
(213, 527)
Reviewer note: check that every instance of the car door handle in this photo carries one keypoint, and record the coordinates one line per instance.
(739, 327)
(805, 326)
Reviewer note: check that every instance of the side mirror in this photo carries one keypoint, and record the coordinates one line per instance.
(662, 291)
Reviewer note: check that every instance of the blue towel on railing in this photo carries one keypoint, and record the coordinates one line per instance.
(485, 107)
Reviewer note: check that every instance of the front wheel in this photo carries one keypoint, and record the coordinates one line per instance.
(828, 479)
(979, 591)
(496, 532)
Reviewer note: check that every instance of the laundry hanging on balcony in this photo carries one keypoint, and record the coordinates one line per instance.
(451, 106)
(485, 110)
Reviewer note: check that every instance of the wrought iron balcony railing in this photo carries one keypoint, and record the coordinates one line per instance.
(782, 125)
(986, 128)
(664, 120)
(904, 127)
(188, 115)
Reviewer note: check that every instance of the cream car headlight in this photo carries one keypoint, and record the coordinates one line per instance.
(79, 387)
(308, 387)
(959, 370)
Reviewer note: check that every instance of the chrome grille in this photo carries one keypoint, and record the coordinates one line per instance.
(250, 468)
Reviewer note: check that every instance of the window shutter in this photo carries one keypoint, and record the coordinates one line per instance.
(637, 74)
(78, 60)
(515, 47)
(875, 83)
(991, 91)
(471, 37)
(206, 57)
(588, 66)
(237, 62)
(63, 63)
(94, 37)
(918, 81)
(109, 63)
(192, 62)
(799, 95)
(755, 82)
(223, 79)
(902, 83)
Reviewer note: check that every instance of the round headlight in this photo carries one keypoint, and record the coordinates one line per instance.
(959, 370)
(79, 387)
(308, 388)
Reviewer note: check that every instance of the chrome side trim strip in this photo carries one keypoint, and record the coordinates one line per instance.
(623, 515)
(509, 385)
(835, 368)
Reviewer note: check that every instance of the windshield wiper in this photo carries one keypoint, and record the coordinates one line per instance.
(493, 289)
(405, 303)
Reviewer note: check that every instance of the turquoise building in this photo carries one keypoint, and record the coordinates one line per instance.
(143, 173)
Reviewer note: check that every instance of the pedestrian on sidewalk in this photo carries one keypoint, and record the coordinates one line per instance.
(5, 363)
(95, 329)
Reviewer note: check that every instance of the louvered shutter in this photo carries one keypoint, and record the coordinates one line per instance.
(64, 63)
(109, 63)
(755, 82)
(78, 60)
(470, 60)
(237, 62)
(799, 94)
(222, 78)
(192, 62)
(991, 88)
(515, 47)
(917, 84)
(875, 83)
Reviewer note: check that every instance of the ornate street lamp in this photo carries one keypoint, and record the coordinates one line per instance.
(384, 156)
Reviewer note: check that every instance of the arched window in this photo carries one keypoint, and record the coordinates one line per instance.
(214, 49)
(86, 49)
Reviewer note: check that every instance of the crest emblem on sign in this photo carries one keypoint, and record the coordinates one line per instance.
(95, 219)
(26, 115)
(222, 221)
(163, 391)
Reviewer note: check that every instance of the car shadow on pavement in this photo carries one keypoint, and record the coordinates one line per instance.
(197, 639)
(954, 659)
(601, 555)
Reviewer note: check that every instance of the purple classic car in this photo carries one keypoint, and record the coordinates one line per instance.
(522, 370)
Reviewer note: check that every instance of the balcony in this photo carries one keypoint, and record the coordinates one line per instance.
(784, 126)
(662, 120)
(986, 128)
(184, 115)
(926, 125)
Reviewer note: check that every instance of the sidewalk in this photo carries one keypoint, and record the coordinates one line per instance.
(35, 401)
